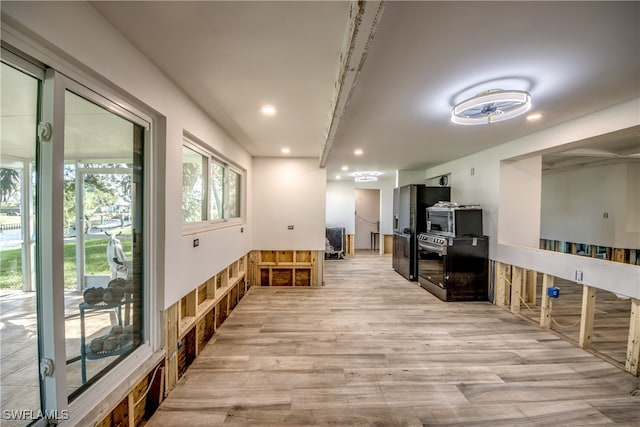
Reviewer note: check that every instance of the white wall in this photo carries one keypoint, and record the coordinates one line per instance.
(633, 198)
(341, 203)
(519, 202)
(406, 177)
(83, 39)
(484, 187)
(289, 191)
(574, 203)
(367, 216)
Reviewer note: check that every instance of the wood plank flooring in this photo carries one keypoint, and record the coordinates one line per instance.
(371, 348)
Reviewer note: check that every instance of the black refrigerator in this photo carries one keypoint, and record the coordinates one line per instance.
(410, 203)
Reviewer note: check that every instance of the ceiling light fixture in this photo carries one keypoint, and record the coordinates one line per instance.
(534, 117)
(268, 110)
(285, 150)
(491, 106)
(358, 152)
(366, 176)
(345, 168)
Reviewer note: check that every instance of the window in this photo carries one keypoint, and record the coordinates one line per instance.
(232, 208)
(193, 197)
(217, 191)
(202, 169)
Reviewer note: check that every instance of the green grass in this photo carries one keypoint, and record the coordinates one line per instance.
(9, 219)
(95, 260)
(11, 269)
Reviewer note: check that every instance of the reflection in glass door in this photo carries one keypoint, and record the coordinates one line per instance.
(20, 398)
(103, 154)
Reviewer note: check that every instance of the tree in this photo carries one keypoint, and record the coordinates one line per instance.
(9, 183)
(101, 190)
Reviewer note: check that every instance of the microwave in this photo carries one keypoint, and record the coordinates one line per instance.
(455, 221)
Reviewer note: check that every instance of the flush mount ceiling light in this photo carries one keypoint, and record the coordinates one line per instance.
(491, 106)
(268, 110)
(366, 176)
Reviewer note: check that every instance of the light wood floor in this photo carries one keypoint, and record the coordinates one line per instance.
(371, 348)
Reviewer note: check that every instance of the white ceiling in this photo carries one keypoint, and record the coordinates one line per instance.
(232, 57)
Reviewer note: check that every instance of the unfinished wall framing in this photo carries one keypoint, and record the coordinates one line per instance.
(192, 321)
(299, 268)
(606, 324)
(623, 255)
(140, 402)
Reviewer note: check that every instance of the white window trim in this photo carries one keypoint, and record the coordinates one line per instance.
(212, 155)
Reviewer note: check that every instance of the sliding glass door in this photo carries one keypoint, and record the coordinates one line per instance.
(19, 331)
(103, 164)
(74, 299)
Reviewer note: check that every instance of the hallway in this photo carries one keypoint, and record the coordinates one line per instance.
(370, 348)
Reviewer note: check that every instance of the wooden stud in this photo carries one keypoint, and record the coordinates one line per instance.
(632, 363)
(254, 268)
(500, 286)
(620, 255)
(516, 287)
(532, 287)
(350, 244)
(171, 344)
(290, 268)
(587, 316)
(546, 302)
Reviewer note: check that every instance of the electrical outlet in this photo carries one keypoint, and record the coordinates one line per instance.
(290, 227)
(196, 243)
(473, 171)
(553, 292)
(579, 276)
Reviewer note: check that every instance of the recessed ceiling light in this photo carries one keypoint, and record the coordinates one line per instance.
(345, 168)
(358, 152)
(268, 110)
(491, 106)
(533, 117)
(285, 150)
(338, 177)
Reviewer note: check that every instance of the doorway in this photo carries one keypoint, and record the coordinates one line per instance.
(367, 219)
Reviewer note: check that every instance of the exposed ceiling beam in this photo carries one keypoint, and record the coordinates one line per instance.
(363, 21)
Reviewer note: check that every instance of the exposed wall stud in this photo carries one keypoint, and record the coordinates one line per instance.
(546, 309)
(632, 363)
(587, 317)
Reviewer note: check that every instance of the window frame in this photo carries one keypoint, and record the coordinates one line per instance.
(205, 181)
(213, 157)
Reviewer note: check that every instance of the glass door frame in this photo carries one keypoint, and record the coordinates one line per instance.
(27, 209)
(51, 245)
